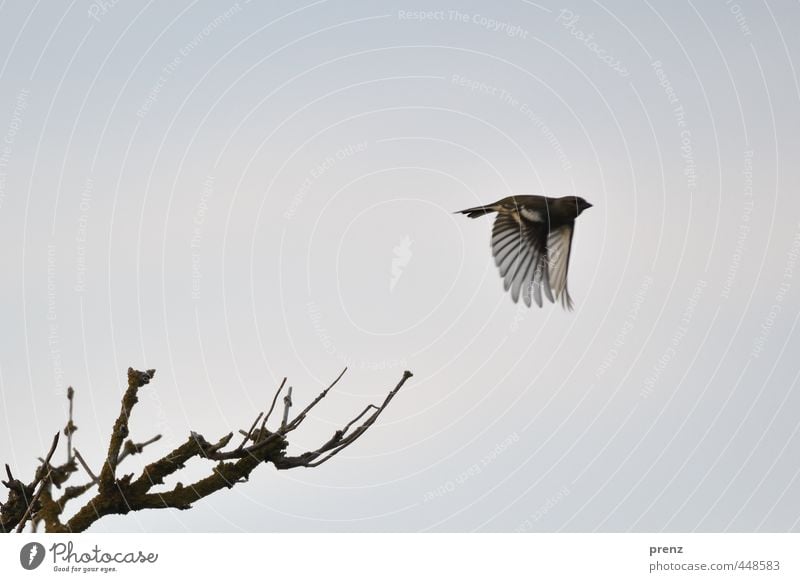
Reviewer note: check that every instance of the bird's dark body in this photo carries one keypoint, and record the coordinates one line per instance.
(531, 242)
(555, 211)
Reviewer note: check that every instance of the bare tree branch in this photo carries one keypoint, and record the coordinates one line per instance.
(120, 431)
(120, 495)
(19, 497)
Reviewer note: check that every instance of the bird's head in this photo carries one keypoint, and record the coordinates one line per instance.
(580, 204)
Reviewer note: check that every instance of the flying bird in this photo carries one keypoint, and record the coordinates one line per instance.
(531, 243)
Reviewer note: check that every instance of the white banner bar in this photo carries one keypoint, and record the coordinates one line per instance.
(402, 557)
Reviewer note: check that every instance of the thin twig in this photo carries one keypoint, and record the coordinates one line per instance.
(248, 434)
(338, 441)
(132, 448)
(300, 417)
(42, 483)
(70, 428)
(272, 406)
(357, 418)
(85, 466)
(287, 404)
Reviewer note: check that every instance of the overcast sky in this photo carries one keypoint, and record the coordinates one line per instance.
(233, 193)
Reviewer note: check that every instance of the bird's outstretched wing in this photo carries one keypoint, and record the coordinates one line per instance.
(520, 248)
(559, 245)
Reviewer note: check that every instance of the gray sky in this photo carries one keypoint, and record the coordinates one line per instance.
(233, 193)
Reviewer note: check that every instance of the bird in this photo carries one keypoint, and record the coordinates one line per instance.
(531, 244)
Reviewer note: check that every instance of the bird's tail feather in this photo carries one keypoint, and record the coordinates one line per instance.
(477, 211)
